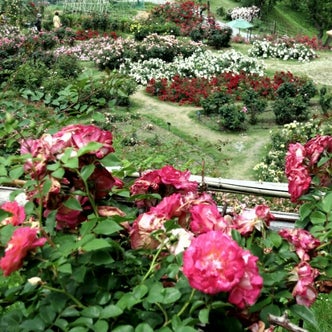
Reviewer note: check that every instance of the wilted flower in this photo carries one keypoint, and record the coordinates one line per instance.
(250, 219)
(304, 291)
(302, 240)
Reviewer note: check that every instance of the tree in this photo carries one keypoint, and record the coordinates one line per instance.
(320, 14)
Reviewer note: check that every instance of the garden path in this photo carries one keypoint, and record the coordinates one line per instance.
(178, 117)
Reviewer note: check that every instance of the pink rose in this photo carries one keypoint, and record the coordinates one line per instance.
(304, 290)
(315, 147)
(213, 263)
(169, 206)
(299, 182)
(205, 218)
(23, 240)
(294, 157)
(17, 211)
(248, 289)
(250, 219)
(78, 136)
(148, 183)
(180, 180)
(302, 240)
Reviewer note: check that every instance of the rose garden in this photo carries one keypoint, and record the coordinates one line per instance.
(90, 247)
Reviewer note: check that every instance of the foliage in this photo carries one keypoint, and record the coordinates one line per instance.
(289, 106)
(231, 117)
(218, 37)
(254, 105)
(271, 168)
(214, 101)
(81, 231)
(141, 31)
(325, 100)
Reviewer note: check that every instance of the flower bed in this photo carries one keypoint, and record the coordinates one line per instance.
(156, 252)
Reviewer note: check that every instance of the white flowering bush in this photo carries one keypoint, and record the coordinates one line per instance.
(202, 63)
(282, 50)
(246, 13)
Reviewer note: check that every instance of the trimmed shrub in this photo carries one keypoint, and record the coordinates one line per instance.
(212, 104)
(232, 117)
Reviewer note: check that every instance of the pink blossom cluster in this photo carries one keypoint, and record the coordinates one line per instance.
(213, 262)
(303, 163)
(49, 150)
(304, 243)
(164, 181)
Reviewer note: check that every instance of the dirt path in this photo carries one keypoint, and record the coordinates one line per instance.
(178, 117)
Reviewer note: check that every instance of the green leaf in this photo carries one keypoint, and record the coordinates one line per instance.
(305, 313)
(203, 316)
(327, 203)
(305, 210)
(101, 326)
(275, 239)
(4, 214)
(89, 148)
(140, 291)
(318, 217)
(73, 203)
(96, 244)
(110, 160)
(50, 223)
(83, 321)
(111, 311)
(123, 328)
(87, 226)
(87, 171)
(70, 312)
(65, 268)
(143, 327)
(59, 173)
(92, 311)
(6, 233)
(159, 294)
(16, 172)
(35, 324)
(107, 227)
(61, 323)
(79, 329)
(269, 309)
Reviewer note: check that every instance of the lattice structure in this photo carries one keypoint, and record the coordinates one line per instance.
(86, 6)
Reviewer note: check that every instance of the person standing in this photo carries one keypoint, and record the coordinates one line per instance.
(38, 22)
(56, 21)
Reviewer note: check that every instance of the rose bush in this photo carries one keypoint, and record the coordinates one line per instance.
(93, 249)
